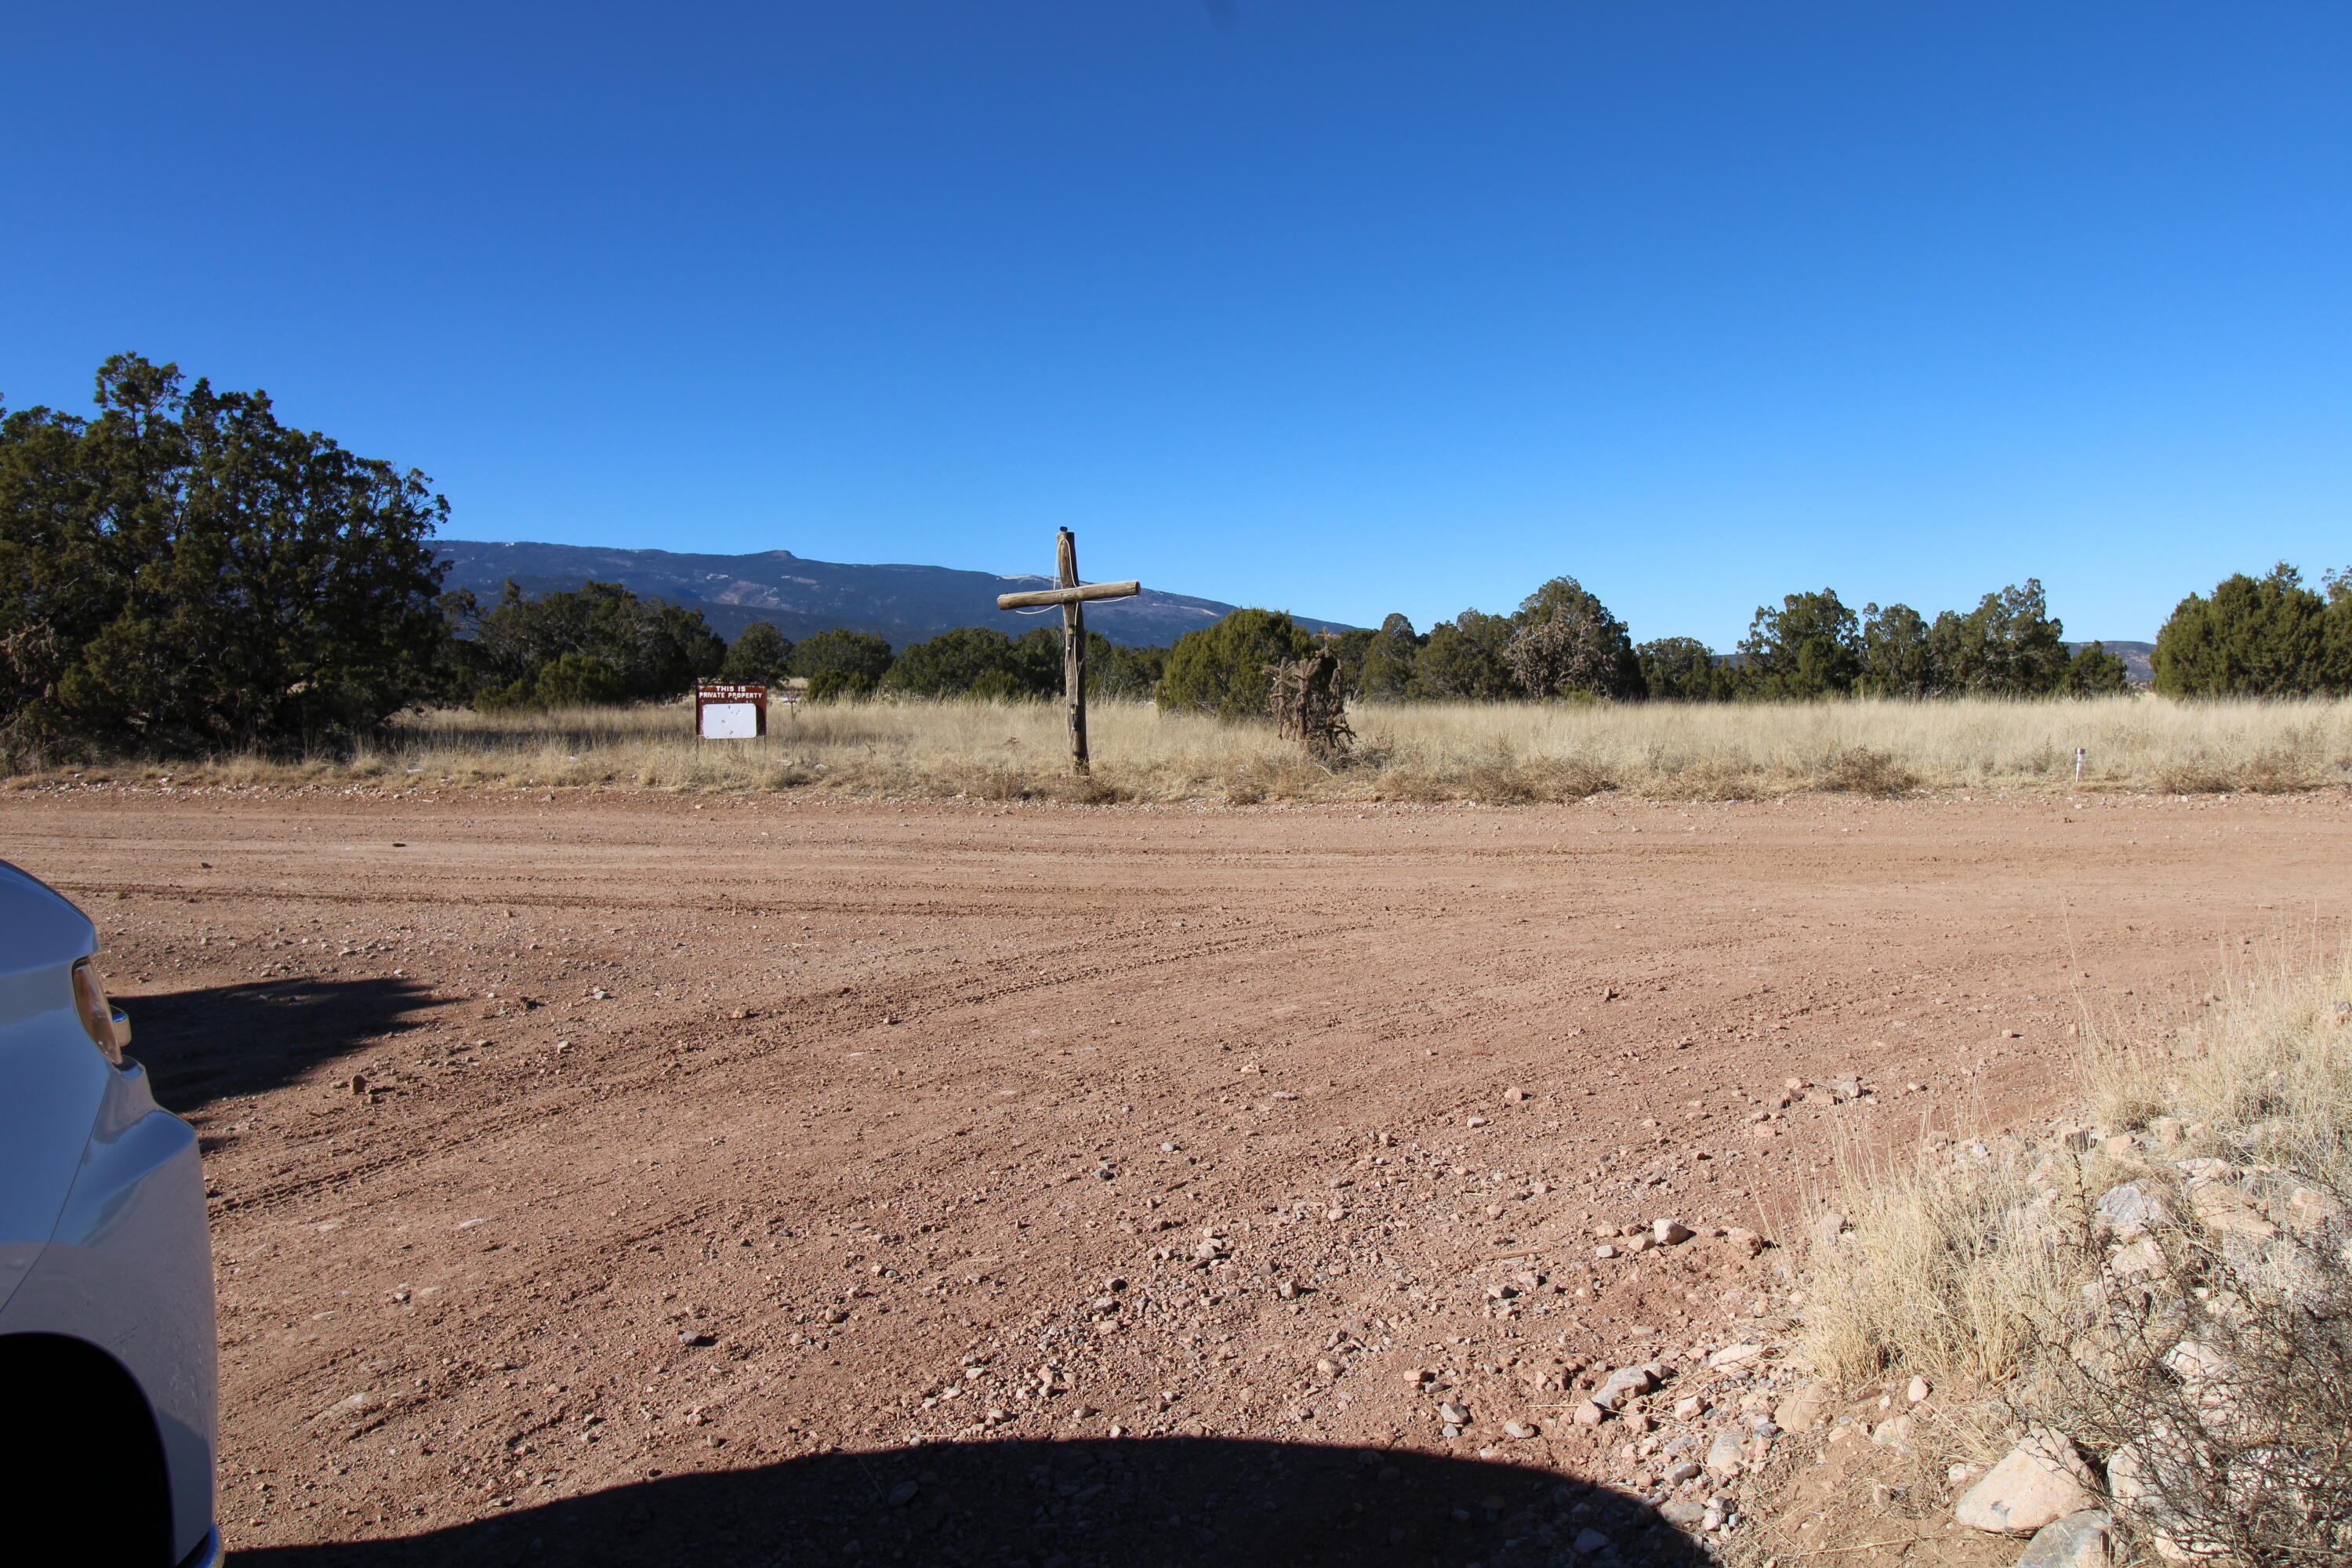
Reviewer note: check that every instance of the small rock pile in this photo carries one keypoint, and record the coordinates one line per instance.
(2156, 1413)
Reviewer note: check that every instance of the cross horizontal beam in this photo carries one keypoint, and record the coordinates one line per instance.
(1068, 596)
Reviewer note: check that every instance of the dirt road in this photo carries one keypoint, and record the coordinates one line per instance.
(625, 1177)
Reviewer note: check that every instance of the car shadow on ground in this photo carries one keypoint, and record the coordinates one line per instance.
(230, 1040)
(1109, 1503)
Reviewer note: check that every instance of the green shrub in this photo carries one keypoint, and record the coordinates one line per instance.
(760, 656)
(841, 663)
(1467, 660)
(838, 686)
(2267, 636)
(1386, 675)
(1222, 669)
(1678, 669)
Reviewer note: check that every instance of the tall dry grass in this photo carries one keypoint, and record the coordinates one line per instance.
(1500, 752)
(1957, 1261)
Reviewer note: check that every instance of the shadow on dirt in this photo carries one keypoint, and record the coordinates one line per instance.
(202, 1046)
(1135, 1503)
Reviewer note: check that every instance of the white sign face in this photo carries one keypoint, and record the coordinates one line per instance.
(729, 721)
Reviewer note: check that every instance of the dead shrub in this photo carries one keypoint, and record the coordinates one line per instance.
(1497, 780)
(1309, 705)
(2180, 1307)
(1571, 778)
(1858, 770)
(2277, 772)
(2198, 777)
(2217, 1385)
(1415, 787)
(1502, 778)
(1718, 779)
(993, 780)
(1088, 789)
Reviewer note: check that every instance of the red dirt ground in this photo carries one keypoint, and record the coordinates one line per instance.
(591, 1170)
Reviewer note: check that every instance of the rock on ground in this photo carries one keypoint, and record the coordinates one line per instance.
(2042, 1479)
(2079, 1539)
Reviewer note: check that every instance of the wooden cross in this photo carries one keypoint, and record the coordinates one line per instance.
(1070, 595)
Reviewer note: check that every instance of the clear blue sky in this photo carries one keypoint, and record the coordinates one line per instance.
(1348, 306)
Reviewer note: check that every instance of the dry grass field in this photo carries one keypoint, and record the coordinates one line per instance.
(1497, 753)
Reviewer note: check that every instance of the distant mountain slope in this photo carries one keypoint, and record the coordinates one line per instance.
(904, 604)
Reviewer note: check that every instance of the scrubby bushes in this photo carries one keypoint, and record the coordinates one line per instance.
(1224, 668)
(600, 637)
(2167, 1291)
(760, 656)
(839, 663)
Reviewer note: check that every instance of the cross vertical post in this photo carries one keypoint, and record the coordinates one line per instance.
(1074, 649)
(1070, 594)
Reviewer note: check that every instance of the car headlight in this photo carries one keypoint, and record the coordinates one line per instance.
(109, 1030)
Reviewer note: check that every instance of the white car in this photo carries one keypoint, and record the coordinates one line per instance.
(106, 1349)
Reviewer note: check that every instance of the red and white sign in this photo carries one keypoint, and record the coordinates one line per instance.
(730, 712)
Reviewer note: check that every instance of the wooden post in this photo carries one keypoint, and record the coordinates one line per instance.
(1070, 595)
(1074, 651)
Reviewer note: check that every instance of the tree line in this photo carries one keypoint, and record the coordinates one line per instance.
(1562, 642)
(601, 643)
(185, 572)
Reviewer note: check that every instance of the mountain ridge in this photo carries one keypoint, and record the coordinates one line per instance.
(902, 602)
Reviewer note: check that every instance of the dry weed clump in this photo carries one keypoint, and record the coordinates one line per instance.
(1504, 779)
(1858, 770)
(1928, 1268)
(1500, 752)
(2170, 1287)
(2212, 1371)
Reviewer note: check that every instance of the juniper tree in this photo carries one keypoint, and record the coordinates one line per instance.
(182, 570)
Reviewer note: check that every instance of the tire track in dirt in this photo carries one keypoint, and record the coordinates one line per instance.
(863, 1214)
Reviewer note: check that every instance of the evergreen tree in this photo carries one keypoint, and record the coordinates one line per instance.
(1350, 648)
(2266, 637)
(2095, 672)
(760, 656)
(2335, 641)
(656, 650)
(1897, 657)
(1222, 669)
(1467, 660)
(983, 662)
(1387, 670)
(182, 571)
(1125, 674)
(1810, 647)
(1569, 645)
(838, 663)
(1037, 660)
(948, 664)
(1678, 669)
(2009, 646)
